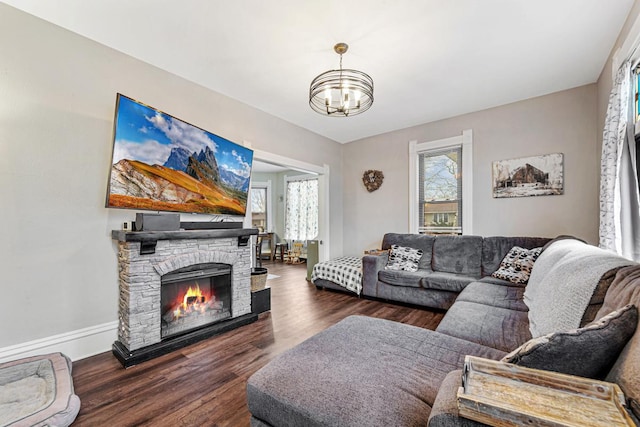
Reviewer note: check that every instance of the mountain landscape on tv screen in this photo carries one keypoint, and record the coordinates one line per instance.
(163, 163)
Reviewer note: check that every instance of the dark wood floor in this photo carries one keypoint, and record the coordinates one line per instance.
(204, 384)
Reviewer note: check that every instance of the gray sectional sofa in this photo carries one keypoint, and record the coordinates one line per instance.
(373, 372)
(447, 266)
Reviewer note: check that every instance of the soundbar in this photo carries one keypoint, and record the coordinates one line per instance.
(210, 225)
(157, 222)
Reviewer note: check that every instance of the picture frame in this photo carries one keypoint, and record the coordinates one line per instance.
(528, 176)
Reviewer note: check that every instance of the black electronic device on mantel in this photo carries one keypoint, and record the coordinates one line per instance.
(157, 222)
(210, 225)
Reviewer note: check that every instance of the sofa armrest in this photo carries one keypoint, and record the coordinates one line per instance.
(371, 265)
(444, 412)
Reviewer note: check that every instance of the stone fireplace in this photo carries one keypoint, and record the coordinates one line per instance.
(177, 287)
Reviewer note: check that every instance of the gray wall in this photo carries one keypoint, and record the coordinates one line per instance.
(563, 122)
(57, 97)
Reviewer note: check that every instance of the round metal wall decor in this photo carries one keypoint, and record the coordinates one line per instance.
(372, 179)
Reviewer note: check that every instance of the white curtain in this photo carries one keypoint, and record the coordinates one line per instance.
(619, 196)
(301, 217)
(258, 200)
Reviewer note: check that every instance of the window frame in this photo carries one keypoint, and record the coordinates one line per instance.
(267, 186)
(423, 202)
(465, 141)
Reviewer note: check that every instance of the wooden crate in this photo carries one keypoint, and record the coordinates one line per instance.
(503, 394)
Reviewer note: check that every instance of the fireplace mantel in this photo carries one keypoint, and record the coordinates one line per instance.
(140, 236)
(148, 239)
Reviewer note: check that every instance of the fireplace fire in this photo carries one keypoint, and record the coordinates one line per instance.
(193, 297)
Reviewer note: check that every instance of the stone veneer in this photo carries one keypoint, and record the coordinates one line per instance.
(139, 311)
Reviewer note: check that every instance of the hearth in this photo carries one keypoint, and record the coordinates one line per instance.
(194, 296)
(179, 287)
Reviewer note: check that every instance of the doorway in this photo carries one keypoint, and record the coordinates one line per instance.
(275, 172)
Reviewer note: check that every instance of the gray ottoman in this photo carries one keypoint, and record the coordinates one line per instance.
(360, 372)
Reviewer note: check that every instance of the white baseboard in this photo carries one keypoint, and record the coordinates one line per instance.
(75, 344)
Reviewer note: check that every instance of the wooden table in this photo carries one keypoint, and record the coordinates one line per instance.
(501, 394)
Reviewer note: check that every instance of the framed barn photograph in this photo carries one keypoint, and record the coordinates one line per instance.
(529, 176)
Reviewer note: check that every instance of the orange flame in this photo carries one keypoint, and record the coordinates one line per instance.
(191, 292)
(192, 301)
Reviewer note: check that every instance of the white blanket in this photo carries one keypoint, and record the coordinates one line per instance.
(562, 282)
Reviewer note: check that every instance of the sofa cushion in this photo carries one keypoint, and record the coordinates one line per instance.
(444, 412)
(589, 315)
(403, 258)
(496, 281)
(386, 373)
(417, 241)
(595, 303)
(494, 248)
(402, 278)
(446, 281)
(625, 289)
(494, 327)
(517, 264)
(586, 352)
(509, 297)
(458, 254)
(416, 296)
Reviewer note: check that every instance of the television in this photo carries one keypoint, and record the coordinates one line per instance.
(162, 163)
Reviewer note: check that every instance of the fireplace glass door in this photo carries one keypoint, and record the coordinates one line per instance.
(193, 297)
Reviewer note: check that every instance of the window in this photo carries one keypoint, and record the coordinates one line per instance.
(619, 229)
(440, 184)
(443, 218)
(440, 191)
(301, 211)
(259, 208)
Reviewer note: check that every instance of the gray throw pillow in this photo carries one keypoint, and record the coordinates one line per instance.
(402, 258)
(517, 264)
(586, 352)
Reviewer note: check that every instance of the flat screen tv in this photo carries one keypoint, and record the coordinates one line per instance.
(162, 163)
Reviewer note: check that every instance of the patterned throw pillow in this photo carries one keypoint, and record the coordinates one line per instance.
(517, 264)
(586, 352)
(401, 258)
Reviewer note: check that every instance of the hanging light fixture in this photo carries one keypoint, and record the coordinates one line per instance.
(342, 92)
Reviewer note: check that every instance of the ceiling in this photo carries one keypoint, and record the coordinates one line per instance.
(429, 59)
(264, 167)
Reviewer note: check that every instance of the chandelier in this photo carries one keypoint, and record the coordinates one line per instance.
(342, 92)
